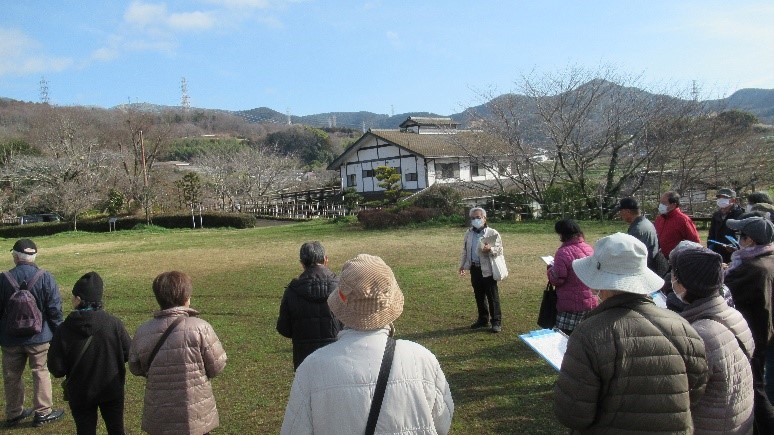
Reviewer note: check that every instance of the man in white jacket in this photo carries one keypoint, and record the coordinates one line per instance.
(334, 386)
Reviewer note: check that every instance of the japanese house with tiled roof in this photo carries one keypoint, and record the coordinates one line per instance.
(424, 150)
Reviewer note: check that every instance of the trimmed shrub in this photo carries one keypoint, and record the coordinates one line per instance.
(100, 225)
(381, 218)
(442, 198)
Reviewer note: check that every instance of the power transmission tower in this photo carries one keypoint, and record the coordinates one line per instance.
(695, 91)
(185, 100)
(288, 114)
(44, 91)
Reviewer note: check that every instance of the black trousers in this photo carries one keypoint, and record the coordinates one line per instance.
(85, 416)
(487, 296)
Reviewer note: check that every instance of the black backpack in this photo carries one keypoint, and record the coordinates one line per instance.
(21, 317)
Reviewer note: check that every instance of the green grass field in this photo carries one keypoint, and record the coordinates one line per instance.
(499, 385)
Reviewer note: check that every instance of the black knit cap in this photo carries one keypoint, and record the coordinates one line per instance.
(89, 287)
(699, 270)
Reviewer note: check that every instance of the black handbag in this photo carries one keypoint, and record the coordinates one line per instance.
(547, 314)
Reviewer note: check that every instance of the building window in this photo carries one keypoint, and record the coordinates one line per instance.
(447, 170)
(368, 173)
(502, 169)
(351, 180)
(412, 176)
(476, 170)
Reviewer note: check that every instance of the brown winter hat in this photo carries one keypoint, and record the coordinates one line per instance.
(699, 270)
(368, 296)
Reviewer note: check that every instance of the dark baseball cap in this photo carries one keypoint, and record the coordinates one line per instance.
(25, 246)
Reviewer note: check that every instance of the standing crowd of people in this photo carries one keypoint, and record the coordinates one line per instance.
(177, 352)
(704, 364)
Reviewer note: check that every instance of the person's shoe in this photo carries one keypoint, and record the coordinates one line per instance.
(479, 325)
(11, 422)
(51, 417)
(496, 328)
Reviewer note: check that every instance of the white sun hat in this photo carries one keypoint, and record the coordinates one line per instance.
(620, 262)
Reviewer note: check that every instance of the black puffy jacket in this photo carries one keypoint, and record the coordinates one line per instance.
(304, 313)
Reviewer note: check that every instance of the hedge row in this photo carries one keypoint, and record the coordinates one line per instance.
(209, 220)
(381, 218)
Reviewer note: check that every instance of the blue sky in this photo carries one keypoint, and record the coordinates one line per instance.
(313, 56)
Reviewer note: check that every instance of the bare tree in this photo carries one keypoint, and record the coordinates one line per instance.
(67, 178)
(584, 131)
(248, 174)
(142, 145)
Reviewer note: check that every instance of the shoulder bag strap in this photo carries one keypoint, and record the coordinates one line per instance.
(80, 355)
(381, 386)
(34, 279)
(738, 341)
(11, 280)
(163, 339)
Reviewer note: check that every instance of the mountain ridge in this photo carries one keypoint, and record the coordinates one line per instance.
(759, 102)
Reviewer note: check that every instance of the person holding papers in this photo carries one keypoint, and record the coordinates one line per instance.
(630, 366)
(727, 404)
(480, 245)
(573, 298)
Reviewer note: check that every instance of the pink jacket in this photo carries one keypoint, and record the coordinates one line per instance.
(571, 294)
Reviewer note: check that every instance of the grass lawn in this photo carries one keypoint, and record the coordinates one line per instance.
(498, 384)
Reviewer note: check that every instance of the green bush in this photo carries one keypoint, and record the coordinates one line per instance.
(442, 198)
(100, 225)
(375, 219)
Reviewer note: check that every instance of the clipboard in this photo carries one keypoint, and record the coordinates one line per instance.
(550, 344)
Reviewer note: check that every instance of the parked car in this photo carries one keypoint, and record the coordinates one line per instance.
(39, 217)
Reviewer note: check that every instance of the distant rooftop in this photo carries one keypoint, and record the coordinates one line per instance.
(427, 122)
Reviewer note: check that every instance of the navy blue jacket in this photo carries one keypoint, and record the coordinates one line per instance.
(47, 297)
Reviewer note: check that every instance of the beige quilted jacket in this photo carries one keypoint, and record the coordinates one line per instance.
(178, 393)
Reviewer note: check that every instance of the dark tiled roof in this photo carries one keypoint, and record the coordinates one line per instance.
(459, 144)
(427, 121)
(440, 145)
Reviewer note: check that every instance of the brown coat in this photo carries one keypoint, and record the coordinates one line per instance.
(178, 393)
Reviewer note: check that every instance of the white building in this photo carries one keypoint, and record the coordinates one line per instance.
(425, 151)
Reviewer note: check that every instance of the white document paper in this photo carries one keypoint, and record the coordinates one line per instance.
(548, 259)
(658, 298)
(550, 344)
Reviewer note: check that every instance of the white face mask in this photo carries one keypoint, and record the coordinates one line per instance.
(748, 208)
(723, 202)
(477, 223)
(677, 290)
(662, 209)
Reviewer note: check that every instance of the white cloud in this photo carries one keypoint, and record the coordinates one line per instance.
(22, 55)
(145, 14)
(191, 20)
(253, 4)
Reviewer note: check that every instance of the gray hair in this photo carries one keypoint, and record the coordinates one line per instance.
(312, 253)
(20, 256)
(475, 209)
